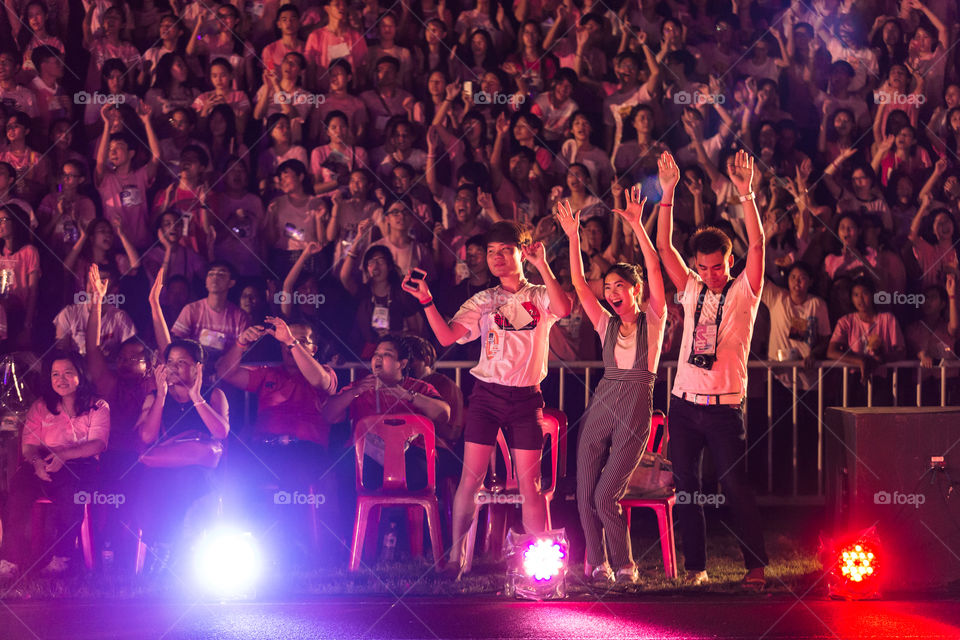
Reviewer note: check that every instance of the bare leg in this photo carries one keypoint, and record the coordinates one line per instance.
(534, 508)
(476, 460)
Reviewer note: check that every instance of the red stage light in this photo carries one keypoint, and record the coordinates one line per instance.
(854, 566)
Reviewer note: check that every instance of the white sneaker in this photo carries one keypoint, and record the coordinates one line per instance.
(601, 573)
(58, 564)
(696, 578)
(628, 575)
(8, 569)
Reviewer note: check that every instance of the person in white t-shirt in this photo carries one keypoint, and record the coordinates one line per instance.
(799, 323)
(617, 422)
(514, 321)
(706, 411)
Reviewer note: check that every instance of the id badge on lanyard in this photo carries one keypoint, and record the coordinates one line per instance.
(493, 344)
(380, 318)
(705, 339)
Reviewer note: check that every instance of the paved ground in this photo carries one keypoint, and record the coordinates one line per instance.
(345, 618)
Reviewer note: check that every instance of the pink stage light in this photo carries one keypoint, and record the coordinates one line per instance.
(543, 559)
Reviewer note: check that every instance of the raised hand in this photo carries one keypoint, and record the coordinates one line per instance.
(669, 173)
(280, 330)
(433, 138)
(741, 175)
(98, 287)
(569, 221)
(633, 213)
(616, 188)
(156, 288)
(503, 125)
(160, 375)
(485, 200)
(535, 254)
(417, 288)
(951, 284)
(251, 335)
(197, 383)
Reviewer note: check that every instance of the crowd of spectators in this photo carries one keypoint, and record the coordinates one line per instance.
(188, 191)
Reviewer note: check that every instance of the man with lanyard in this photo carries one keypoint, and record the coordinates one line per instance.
(706, 410)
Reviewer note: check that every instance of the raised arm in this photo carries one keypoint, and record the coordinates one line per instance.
(160, 330)
(633, 215)
(742, 178)
(97, 366)
(446, 333)
(669, 175)
(319, 376)
(570, 223)
(144, 111)
(953, 323)
(535, 253)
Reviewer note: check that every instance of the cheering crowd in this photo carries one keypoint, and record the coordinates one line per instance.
(189, 191)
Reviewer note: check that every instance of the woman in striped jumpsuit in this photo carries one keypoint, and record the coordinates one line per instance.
(617, 421)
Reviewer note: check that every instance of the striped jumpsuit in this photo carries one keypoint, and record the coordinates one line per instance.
(614, 433)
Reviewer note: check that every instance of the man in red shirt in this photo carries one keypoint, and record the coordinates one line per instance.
(287, 448)
(387, 390)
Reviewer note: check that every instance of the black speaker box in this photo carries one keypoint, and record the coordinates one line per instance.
(880, 470)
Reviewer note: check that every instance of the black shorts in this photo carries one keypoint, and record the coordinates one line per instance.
(516, 410)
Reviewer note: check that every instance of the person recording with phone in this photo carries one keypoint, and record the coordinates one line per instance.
(706, 410)
(514, 321)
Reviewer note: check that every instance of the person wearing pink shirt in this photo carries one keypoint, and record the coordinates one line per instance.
(221, 77)
(866, 338)
(63, 435)
(288, 23)
(336, 40)
(19, 273)
(122, 188)
(214, 322)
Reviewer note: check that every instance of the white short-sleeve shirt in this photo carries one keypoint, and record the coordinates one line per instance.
(511, 356)
(729, 373)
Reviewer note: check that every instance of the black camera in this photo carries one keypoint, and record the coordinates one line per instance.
(702, 360)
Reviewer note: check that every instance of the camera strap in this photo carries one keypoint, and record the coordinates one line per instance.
(718, 319)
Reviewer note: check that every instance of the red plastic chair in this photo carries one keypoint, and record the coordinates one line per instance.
(554, 426)
(396, 430)
(86, 531)
(663, 507)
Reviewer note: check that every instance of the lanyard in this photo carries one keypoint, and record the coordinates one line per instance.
(700, 299)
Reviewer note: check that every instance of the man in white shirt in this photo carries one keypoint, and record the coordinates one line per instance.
(514, 321)
(706, 410)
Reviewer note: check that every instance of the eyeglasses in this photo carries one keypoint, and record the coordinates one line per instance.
(71, 175)
(177, 123)
(2, 220)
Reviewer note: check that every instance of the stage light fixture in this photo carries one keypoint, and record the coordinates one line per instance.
(854, 566)
(228, 563)
(537, 564)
